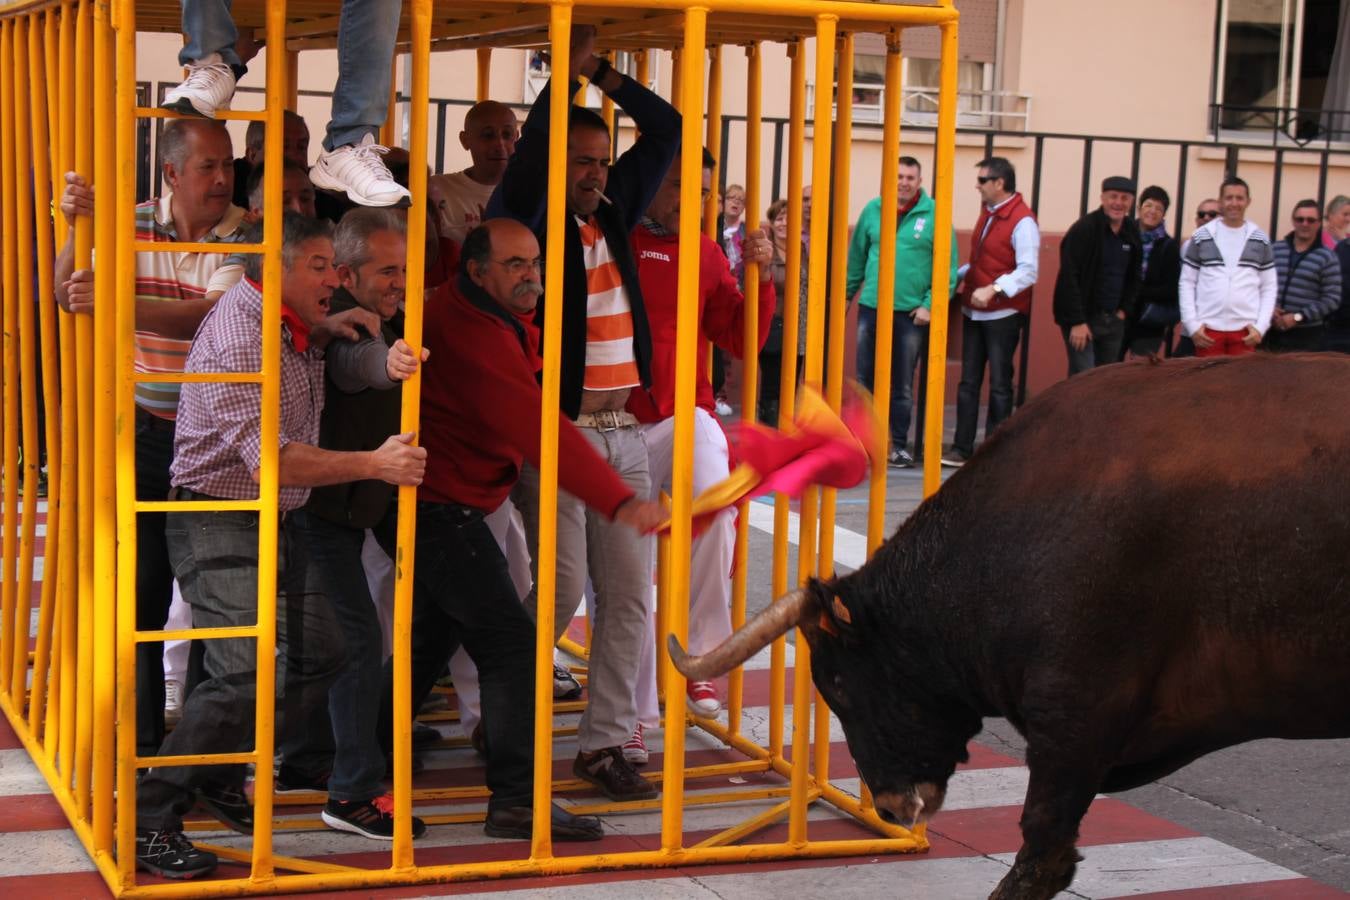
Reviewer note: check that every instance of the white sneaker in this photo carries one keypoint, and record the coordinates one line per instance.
(208, 88)
(358, 171)
(173, 702)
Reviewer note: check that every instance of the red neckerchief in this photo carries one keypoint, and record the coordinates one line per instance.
(902, 211)
(291, 319)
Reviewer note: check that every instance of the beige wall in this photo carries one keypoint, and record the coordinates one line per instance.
(1140, 69)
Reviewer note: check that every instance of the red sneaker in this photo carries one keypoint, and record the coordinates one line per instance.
(703, 699)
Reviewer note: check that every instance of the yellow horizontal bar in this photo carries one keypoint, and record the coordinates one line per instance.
(197, 759)
(237, 115)
(567, 645)
(292, 863)
(198, 506)
(189, 634)
(195, 247)
(197, 377)
(750, 825)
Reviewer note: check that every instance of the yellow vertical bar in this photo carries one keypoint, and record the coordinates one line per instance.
(750, 365)
(837, 309)
(642, 60)
(484, 73)
(268, 520)
(420, 21)
(881, 386)
(714, 142)
(9, 546)
(389, 130)
(38, 34)
(105, 524)
(84, 350)
(686, 349)
(541, 846)
(662, 617)
(26, 336)
(676, 77)
(787, 380)
(69, 536)
(942, 249)
(292, 60)
(802, 690)
(125, 455)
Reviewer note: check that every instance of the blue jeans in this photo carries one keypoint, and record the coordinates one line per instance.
(366, 35)
(463, 594)
(991, 342)
(908, 343)
(1108, 333)
(354, 698)
(215, 559)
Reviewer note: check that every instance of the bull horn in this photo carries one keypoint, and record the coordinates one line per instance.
(752, 637)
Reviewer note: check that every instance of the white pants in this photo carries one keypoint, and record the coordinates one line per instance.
(712, 551)
(506, 527)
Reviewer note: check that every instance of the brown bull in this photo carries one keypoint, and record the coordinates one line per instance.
(1146, 564)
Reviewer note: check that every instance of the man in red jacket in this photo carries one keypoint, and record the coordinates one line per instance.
(480, 421)
(721, 320)
(995, 294)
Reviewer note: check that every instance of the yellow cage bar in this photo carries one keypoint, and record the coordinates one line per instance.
(71, 698)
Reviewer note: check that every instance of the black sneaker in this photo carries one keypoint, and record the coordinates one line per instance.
(169, 854)
(424, 735)
(289, 781)
(955, 458)
(613, 775)
(372, 818)
(900, 459)
(228, 804)
(565, 684)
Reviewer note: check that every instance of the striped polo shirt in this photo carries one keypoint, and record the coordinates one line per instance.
(610, 360)
(168, 278)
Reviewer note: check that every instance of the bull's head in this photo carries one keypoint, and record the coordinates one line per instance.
(905, 738)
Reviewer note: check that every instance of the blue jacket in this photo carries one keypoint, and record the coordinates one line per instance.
(1311, 286)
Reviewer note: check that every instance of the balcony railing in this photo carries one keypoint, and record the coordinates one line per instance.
(1281, 126)
(997, 110)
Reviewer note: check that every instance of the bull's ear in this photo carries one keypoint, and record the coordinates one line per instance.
(841, 611)
(826, 624)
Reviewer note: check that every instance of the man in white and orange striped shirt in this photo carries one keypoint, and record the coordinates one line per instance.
(605, 355)
(171, 299)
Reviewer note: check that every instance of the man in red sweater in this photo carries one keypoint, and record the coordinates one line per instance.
(721, 320)
(480, 421)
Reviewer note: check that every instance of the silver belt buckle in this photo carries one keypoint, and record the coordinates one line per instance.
(606, 420)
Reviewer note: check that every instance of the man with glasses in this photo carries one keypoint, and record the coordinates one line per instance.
(606, 354)
(1228, 287)
(1309, 278)
(1004, 262)
(480, 332)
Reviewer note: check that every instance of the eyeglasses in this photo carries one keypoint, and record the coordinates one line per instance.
(985, 179)
(1305, 220)
(517, 265)
(1207, 214)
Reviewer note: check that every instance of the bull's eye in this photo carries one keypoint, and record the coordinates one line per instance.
(840, 698)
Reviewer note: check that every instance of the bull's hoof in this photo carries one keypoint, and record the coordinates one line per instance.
(1033, 882)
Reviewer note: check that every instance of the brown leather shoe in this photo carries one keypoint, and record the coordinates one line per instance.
(518, 822)
(612, 774)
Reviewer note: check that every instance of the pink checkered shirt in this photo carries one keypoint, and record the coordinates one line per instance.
(217, 441)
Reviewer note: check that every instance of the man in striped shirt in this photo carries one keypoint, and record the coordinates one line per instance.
(605, 355)
(171, 298)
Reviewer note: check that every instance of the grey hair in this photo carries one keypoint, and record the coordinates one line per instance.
(256, 132)
(1337, 203)
(173, 140)
(351, 240)
(295, 230)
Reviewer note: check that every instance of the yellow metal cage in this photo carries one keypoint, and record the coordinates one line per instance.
(68, 101)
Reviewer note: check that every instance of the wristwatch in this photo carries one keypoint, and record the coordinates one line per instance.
(1298, 317)
(998, 288)
(602, 68)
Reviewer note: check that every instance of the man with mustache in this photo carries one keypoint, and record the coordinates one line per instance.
(480, 422)
(218, 456)
(606, 354)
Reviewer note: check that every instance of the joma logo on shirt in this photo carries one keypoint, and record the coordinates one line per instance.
(655, 254)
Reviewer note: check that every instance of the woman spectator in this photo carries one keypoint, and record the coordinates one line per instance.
(771, 357)
(1157, 305)
(1336, 222)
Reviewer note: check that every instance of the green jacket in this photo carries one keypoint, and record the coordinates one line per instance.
(913, 256)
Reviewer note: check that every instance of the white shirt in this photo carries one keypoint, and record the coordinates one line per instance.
(465, 200)
(1230, 242)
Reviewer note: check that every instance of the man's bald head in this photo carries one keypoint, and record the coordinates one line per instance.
(490, 134)
(501, 256)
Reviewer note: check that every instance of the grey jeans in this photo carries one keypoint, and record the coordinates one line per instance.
(619, 563)
(215, 559)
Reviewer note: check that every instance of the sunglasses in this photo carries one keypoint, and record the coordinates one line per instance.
(1305, 220)
(985, 179)
(1207, 214)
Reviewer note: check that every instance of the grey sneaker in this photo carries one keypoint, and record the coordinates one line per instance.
(565, 684)
(169, 854)
(900, 459)
(209, 87)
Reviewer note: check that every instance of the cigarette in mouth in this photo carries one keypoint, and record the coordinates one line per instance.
(608, 202)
